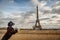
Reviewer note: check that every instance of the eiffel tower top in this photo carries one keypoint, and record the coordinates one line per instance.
(37, 13)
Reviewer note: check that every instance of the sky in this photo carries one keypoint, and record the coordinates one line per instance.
(23, 13)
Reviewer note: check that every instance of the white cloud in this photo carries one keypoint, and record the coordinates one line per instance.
(56, 7)
(36, 2)
(47, 15)
(14, 15)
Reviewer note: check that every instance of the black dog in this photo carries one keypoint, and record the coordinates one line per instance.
(10, 31)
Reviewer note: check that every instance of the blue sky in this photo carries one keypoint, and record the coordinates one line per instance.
(15, 5)
(23, 12)
(20, 5)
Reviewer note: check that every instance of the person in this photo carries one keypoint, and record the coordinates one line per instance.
(10, 31)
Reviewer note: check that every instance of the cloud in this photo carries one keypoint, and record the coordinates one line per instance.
(42, 6)
(56, 5)
(1, 16)
(36, 2)
(14, 15)
(56, 8)
(48, 14)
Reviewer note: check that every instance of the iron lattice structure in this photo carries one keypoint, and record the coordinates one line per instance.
(37, 24)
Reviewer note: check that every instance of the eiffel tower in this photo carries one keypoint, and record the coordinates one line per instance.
(37, 24)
